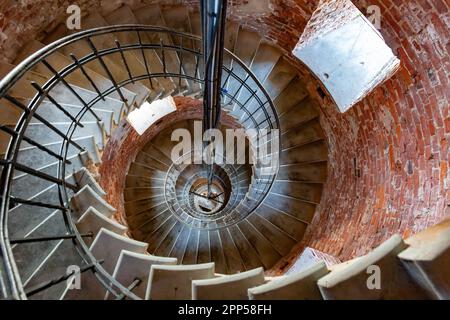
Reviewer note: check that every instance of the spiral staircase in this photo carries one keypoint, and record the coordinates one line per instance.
(64, 98)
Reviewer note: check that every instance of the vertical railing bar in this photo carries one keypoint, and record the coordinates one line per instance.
(45, 285)
(108, 72)
(163, 57)
(181, 61)
(197, 64)
(50, 238)
(15, 200)
(136, 282)
(48, 124)
(145, 60)
(248, 100)
(68, 86)
(33, 143)
(83, 70)
(228, 76)
(55, 103)
(38, 174)
(124, 60)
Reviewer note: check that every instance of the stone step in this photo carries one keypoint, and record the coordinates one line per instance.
(35, 158)
(350, 282)
(106, 246)
(300, 209)
(177, 18)
(294, 227)
(86, 198)
(233, 258)
(148, 176)
(92, 221)
(299, 115)
(217, 251)
(167, 243)
(124, 15)
(132, 265)
(315, 172)
(179, 247)
(147, 160)
(22, 221)
(143, 225)
(160, 231)
(137, 206)
(306, 133)
(114, 62)
(192, 247)
(52, 114)
(83, 178)
(24, 90)
(233, 287)
(203, 252)
(59, 61)
(266, 252)
(297, 286)
(30, 257)
(55, 266)
(44, 135)
(291, 96)
(427, 259)
(311, 192)
(316, 151)
(248, 253)
(278, 238)
(175, 282)
(131, 194)
(22, 181)
(152, 15)
(245, 49)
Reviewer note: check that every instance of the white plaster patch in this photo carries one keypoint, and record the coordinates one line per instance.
(350, 60)
(141, 119)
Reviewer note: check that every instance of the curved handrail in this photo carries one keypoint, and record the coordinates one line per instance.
(11, 285)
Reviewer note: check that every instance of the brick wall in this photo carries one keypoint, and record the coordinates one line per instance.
(389, 168)
(389, 155)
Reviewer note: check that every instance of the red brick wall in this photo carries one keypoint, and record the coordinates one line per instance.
(389, 155)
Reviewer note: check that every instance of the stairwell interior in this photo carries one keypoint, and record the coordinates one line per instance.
(82, 189)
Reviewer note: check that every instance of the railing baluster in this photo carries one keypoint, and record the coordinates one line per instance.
(38, 174)
(136, 282)
(180, 72)
(108, 72)
(238, 91)
(248, 100)
(48, 124)
(79, 65)
(52, 238)
(55, 103)
(228, 77)
(254, 112)
(124, 60)
(163, 57)
(68, 86)
(145, 60)
(48, 284)
(36, 203)
(34, 143)
(197, 64)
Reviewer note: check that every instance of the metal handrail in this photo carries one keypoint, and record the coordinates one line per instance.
(11, 286)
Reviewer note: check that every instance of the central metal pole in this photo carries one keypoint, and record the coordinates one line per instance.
(213, 14)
